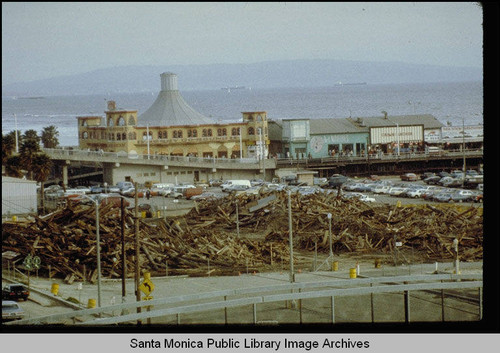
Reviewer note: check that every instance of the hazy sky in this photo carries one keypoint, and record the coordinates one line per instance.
(42, 40)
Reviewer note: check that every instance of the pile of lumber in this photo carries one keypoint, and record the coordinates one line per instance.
(205, 241)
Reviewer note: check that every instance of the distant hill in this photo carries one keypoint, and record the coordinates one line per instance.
(270, 74)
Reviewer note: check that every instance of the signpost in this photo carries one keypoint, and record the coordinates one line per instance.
(147, 287)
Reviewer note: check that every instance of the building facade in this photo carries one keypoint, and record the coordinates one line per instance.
(171, 127)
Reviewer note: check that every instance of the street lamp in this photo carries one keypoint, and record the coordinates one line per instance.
(397, 128)
(98, 242)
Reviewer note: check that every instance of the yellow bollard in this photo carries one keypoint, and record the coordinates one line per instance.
(352, 273)
(335, 266)
(377, 263)
(54, 289)
(14, 218)
(91, 303)
(143, 214)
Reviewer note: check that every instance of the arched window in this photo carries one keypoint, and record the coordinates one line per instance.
(251, 131)
(144, 136)
(235, 131)
(84, 122)
(209, 132)
(175, 134)
(121, 121)
(195, 133)
(131, 120)
(190, 133)
(118, 137)
(85, 135)
(110, 122)
(124, 136)
(179, 134)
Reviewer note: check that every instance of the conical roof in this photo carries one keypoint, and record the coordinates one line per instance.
(170, 108)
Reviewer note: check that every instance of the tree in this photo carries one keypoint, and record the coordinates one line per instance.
(50, 137)
(31, 135)
(12, 166)
(29, 148)
(41, 168)
(8, 146)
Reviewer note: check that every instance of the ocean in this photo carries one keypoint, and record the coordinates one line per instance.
(448, 102)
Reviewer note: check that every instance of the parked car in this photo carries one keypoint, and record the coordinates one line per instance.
(443, 174)
(443, 197)
(409, 177)
(11, 311)
(381, 189)
(336, 180)
(130, 192)
(366, 198)
(396, 191)
(457, 197)
(15, 292)
(427, 175)
(433, 180)
(96, 189)
(416, 193)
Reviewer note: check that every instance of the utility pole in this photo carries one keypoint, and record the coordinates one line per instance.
(124, 259)
(137, 265)
(463, 151)
(290, 235)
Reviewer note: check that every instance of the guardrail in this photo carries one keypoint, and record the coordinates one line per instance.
(386, 157)
(314, 290)
(207, 162)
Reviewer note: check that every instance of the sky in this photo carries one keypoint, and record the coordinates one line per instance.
(43, 40)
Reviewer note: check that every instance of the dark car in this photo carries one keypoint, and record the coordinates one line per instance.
(15, 292)
(427, 175)
(433, 180)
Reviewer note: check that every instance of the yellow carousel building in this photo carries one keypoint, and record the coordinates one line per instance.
(171, 127)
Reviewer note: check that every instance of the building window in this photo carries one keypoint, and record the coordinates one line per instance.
(251, 131)
(144, 136)
(195, 133)
(124, 136)
(235, 131)
(118, 137)
(131, 120)
(221, 132)
(84, 122)
(162, 134)
(110, 122)
(121, 121)
(85, 135)
(177, 134)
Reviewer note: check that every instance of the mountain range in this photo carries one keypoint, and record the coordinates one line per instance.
(269, 74)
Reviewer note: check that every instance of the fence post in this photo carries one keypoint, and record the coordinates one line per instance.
(480, 303)
(442, 304)
(407, 306)
(371, 305)
(225, 311)
(333, 309)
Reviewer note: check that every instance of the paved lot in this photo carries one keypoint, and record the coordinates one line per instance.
(426, 305)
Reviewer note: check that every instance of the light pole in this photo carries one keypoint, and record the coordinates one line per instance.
(463, 151)
(329, 215)
(98, 245)
(290, 235)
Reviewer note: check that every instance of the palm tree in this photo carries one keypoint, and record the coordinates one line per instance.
(50, 137)
(8, 146)
(41, 168)
(12, 166)
(31, 135)
(29, 148)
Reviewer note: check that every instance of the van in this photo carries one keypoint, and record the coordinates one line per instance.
(244, 183)
(124, 185)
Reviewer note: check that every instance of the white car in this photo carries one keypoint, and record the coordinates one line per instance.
(366, 198)
(396, 191)
(381, 189)
(417, 193)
